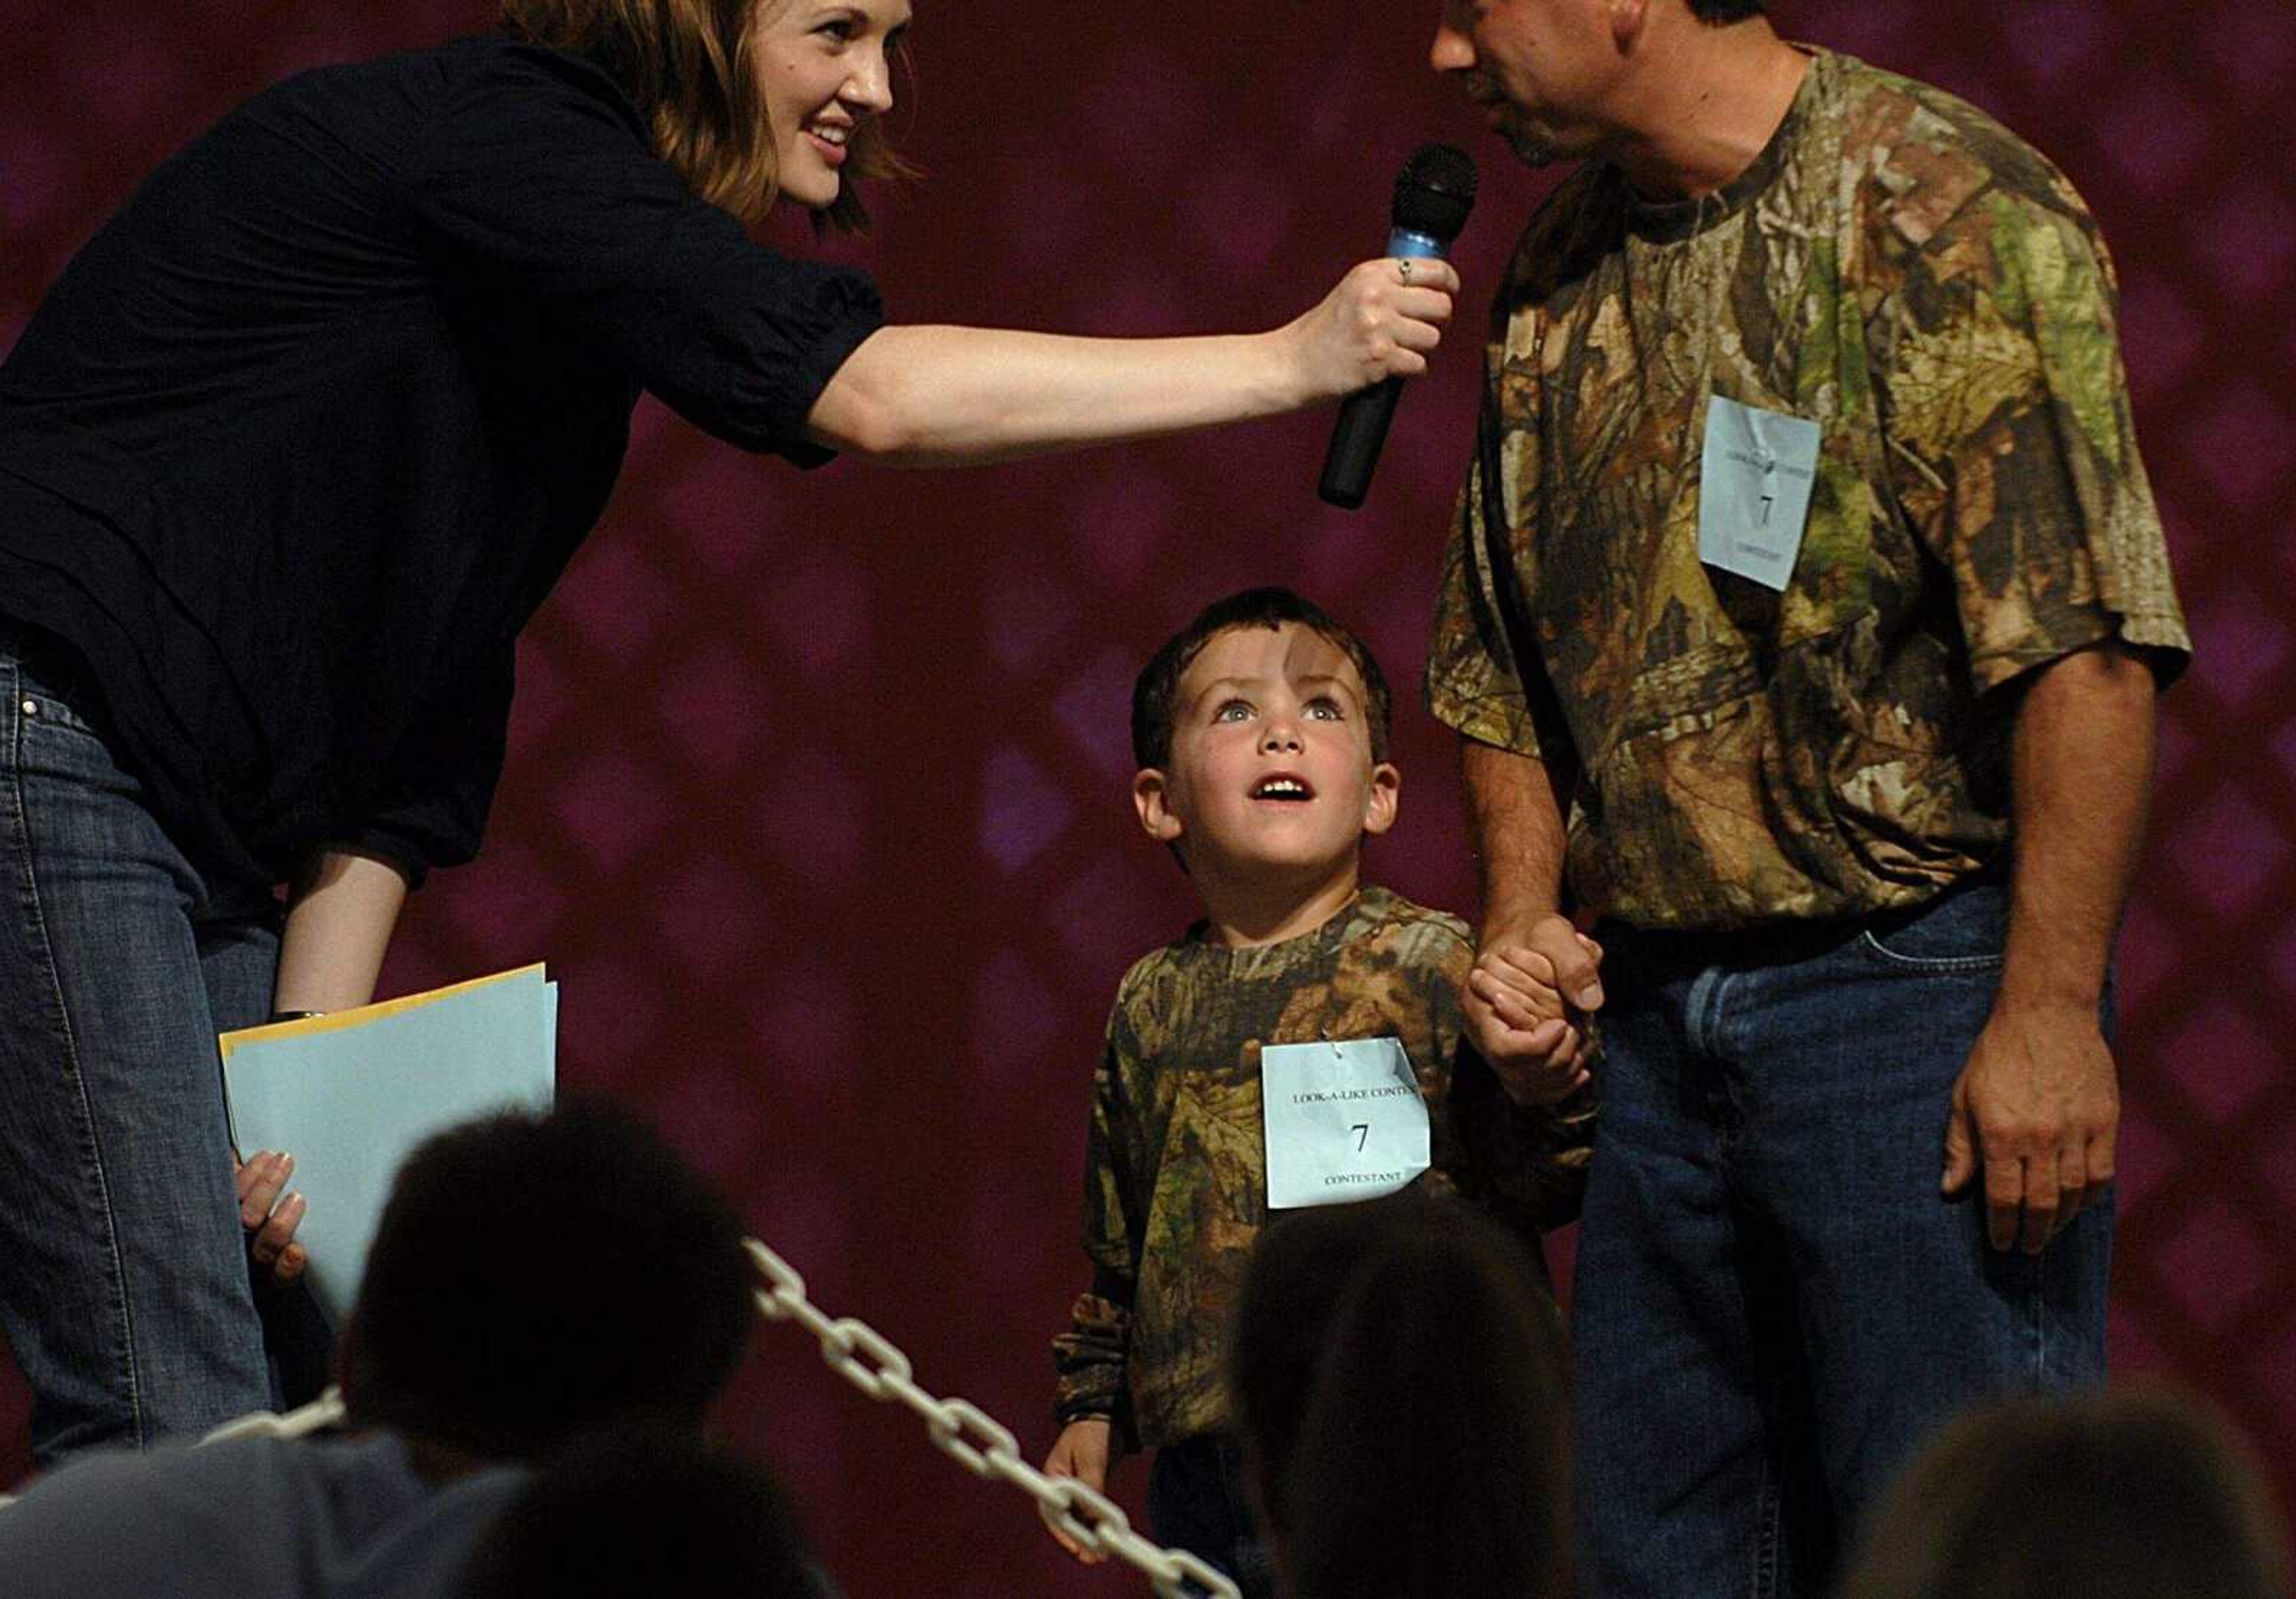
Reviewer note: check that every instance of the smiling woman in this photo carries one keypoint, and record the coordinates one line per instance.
(748, 99)
(290, 455)
(827, 66)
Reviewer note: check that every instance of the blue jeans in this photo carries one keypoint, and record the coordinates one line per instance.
(124, 1283)
(1773, 1304)
(1197, 1501)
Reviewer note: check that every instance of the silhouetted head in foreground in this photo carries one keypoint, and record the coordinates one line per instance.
(1399, 1384)
(536, 1279)
(2134, 1495)
(643, 1511)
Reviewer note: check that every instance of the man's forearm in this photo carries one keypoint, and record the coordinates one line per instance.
(2083, 765)
(340, 915)
(1516, 822)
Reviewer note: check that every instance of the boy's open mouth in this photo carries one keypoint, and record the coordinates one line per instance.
(1285, 788)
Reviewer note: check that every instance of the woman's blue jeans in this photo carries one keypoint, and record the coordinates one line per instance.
(1773, 1305)
(124, 1285)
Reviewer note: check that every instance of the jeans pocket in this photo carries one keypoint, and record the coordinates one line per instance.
(55, 695)
(46, 710)
(59, 737)
(1966, 930)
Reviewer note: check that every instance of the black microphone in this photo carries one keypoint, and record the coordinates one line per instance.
(1433, 194)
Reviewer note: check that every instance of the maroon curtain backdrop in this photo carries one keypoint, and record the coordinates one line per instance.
(817, 802)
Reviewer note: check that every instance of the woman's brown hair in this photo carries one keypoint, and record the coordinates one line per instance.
(690, 68)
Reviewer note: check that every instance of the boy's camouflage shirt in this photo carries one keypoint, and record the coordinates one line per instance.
(1901, 270)
(1176, 1184)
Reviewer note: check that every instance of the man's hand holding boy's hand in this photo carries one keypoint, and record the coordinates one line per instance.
(1081, 1452)
(1517, 1014)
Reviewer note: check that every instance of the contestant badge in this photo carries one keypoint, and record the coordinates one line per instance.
(1345, 1122)
(1753, 490)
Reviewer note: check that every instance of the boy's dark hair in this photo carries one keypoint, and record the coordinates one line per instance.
(534, 1278)
(1400, 1385)
(644, 1511)
(1719, 12)
(1158, 682)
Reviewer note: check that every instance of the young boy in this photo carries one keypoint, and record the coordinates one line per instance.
(1261, 735)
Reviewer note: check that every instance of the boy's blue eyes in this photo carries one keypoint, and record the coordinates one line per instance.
(1318, 709)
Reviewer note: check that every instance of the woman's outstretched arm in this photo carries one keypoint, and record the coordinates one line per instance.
(926, 396)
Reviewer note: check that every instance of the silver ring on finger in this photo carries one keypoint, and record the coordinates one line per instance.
(1402, 270)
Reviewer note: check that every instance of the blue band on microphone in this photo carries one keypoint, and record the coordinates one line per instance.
(1403, 241)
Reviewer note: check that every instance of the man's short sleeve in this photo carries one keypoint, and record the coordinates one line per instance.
(1471, 683)
(2005, 413)
(1475, 682)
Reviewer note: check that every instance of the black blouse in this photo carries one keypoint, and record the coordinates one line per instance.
(298, 441)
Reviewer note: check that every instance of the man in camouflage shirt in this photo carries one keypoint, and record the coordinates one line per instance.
(1261, 732)
(1811, 561)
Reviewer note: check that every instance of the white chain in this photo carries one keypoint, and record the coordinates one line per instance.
(974, 1439)
(324, 1412)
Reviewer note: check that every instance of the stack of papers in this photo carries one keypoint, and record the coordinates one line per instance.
(349, 1094)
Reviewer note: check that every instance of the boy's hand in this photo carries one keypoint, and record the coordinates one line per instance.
(269, 1220)
(1081, 1452)
(1516, 1014)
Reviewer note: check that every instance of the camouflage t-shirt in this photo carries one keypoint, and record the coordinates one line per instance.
(1898, 268)
(1176, 1184)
